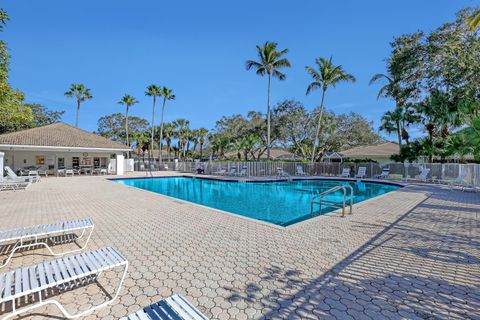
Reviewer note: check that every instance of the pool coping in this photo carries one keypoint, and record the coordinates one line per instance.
(265, 223)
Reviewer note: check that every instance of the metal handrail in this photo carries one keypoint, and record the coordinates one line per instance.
(322, 201)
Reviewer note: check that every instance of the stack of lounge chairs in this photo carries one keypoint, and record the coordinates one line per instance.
(26, 288)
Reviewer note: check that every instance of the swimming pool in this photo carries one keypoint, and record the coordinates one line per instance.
(280, 202)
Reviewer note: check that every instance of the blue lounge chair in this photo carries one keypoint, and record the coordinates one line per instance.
(175, 307)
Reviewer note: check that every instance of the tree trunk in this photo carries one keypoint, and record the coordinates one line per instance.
(153, 123)
(161, 129)
(126, 131)
(78, 112)
(268, 119)
(318, 125)
(201, 151)
(399, 134)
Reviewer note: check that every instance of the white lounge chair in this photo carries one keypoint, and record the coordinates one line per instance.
(69, 172)
(385, 173)
(10, 184)
(299, 171)
(345, 173)
(174, 307)
(422, 176)
(69, 271)
(13, 176)
(221, 172)
(361, 173)
(40, 234)
(281, 172)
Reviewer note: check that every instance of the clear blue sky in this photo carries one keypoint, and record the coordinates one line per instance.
(199, 48)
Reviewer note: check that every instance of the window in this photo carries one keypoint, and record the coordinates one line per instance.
(76, 162)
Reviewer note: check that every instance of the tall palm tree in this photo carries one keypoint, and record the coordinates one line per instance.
(202, 132)
(128, 101)
(153, 91)
(327, 75)
(195, 139)
(81, 93)
(167, 94)
(269, 62)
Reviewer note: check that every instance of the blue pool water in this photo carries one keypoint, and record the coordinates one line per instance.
(282, 203)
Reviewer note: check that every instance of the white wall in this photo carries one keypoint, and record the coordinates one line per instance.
(21, 159)
(2, 156)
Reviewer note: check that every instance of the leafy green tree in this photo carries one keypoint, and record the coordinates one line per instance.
(43, 116)
(167, 94)
(153, 91)
(168, 132)
(113, 126)
(269, 63)
(81, 94)
(13, 114)
(327, 75)
(128, 101)
(183, 134)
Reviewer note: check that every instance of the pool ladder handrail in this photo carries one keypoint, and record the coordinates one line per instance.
(330, 203)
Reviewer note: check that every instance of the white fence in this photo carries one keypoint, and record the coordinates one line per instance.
(442, 171)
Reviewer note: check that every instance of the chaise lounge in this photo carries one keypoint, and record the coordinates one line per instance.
(23, 284)
(175, 307)
(22, 238)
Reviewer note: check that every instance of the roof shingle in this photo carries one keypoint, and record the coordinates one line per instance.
(59, 134)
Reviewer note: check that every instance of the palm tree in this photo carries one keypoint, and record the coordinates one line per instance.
(195, 139)
(473, 21)
(327, 75)
(168, 130)
(167, 94)
(202, 132)
(391, 123)
(269, 63)
(183, 132)
(141, 141)
(153, 91)
(128, 101)
(81, 94)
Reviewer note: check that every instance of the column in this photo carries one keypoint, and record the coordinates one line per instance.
(119, 158)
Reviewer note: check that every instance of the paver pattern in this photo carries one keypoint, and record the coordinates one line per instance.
(409, 254)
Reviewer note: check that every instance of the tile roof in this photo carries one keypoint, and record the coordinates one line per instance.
(385, 149)
(59, 134)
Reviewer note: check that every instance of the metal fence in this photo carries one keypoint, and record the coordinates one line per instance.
(441, 171)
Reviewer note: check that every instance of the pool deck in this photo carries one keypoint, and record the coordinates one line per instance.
(413, 253)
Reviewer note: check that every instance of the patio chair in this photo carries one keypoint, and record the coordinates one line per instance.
(385, 173)
(299, 171)
(174, 307)
(34, 175)
(422, 176)
(281, 172)
(103, 171)
(69, 172)
(345, 173)
(361, 173)
(39, 235)
(67, 272)
(233, 171)
(11, 175)
(243, 172)
(43, 171)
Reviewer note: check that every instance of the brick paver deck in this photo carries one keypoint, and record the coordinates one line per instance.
(410, 254)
